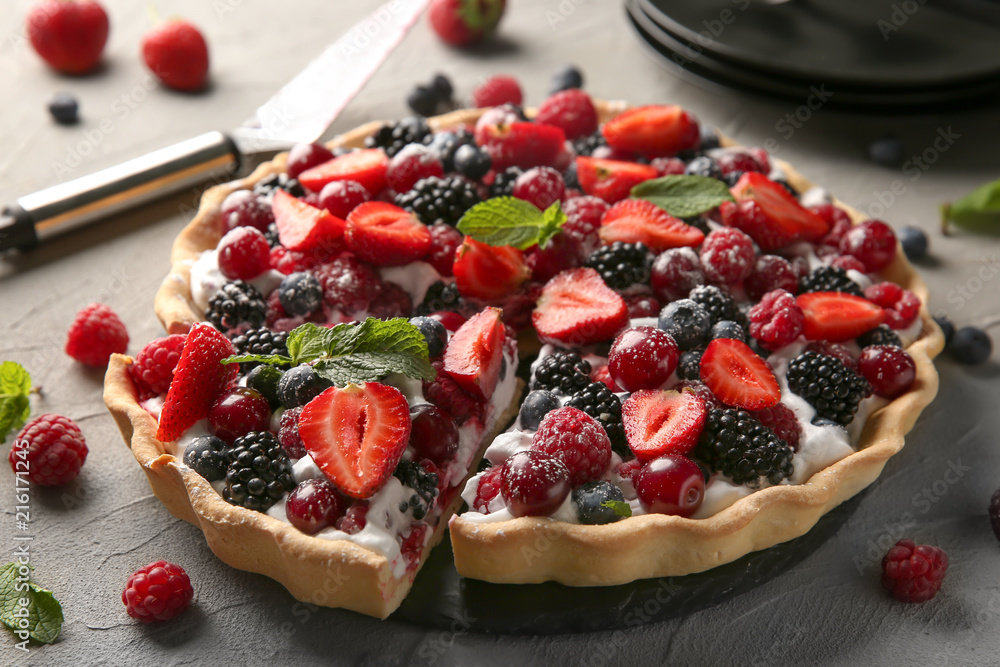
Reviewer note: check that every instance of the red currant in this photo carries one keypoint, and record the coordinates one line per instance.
(771, 272)
(872, 242)
(238, 412)
(412, 164)
(542, 186)
(314, 505)
(534, 483)
(890, 370)
(671, 484)
(244, 254)
(642, 358)
(433, 435)
(342, 197)
(244, 208)
(306, 156)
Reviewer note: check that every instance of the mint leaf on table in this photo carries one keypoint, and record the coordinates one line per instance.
(978, 209)
(44, 616)
(509, 221)
(15, 385)
(619, 507)
(683, 195)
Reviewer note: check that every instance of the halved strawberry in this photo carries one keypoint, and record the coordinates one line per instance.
(521, 144)
(304, 227)
(641, 221)
(199, 378)
(611, 180)
(836, 316)
(367, 167)
(738, 376)
(654, 130)
(475, 353)
(488, 272)
(662, 422)
(356, 435)
(576, 308)
(778, 219)
(386, 235)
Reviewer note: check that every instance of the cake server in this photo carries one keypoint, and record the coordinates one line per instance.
(301, 111)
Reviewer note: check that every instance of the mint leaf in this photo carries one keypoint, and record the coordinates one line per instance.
(683, 196)
(979, 208)
(620, 507)
(270, 359)
(508, 221)
(15, 385)
(369, 351)
(308, 342)
(44, 616)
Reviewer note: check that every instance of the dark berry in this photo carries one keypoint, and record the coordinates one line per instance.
(423, 100)
(738, 445)
(914, 242)
(994, 512)
(598, 401)
(887, 151)
(259, 472)
(689, 366)
(264, 379)
(441, 296)
(566, 78)
(237, 303)
(237, 412)
(472, 162)
(670, 484)
(64, 108)
(590, 498)
(446, 145)
(503, 182)
(300, 293)
(971, 346)
(687, 322)
(727, 329)
(536, 405)
(534, 483)
(590, 143)
(718, 304)
(440, 199)
(424, 485)
(561, 372)
(947, 328)
(433, 332)
(314, 505)
(621, 265)
(709, 138)
(880, 335)
(433, 434)
(704, 166)
(394, 136)
(828, 385)
(266, 186)
(441, 85)
(260, 341)
(300, 385)
(206, 455)
(829, 279)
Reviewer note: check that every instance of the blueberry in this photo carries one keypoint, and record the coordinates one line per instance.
(589, 498)
(570, 177)
(423, 100)
(300, 293)
(472, 162)
(732, 178)
(947, 328)
(433, 332)
(727, 329)
(971, 346)
(265, 379)
(703, 166)
(887, 151)
(689, 366)
(566, 78)
(300, 385)
(441, 85)
(206, 455)
(538, 404)
(914, 242)
(64, 108)
(686, 321)
(709, 138)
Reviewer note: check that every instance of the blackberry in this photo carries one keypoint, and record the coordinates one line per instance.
(392, 137)
(206, 455)
(829, 279)
(880, 335)
(588, 144)
(621, 265)
(699, 223)
(423, 483)
(235, 304)
(267, 186)
(590, 498)
(503, 183)
(719, 305)
(601, 403)
(703, 166)
(828, 385)
(562, 372)
(259, 472)
(738, 445)
(445, 199)
(259, 341)
(441, 296)
(727, 329)
(689, 366)
(446, 144)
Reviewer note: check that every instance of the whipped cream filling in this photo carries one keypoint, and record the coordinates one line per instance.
(207, 279)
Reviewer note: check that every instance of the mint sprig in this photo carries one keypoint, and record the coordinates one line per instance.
(40, 619)
(619, 507)
(15, 385)
(978, 210)
(683, 195)
(509, 221)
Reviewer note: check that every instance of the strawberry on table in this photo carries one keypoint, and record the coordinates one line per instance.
(367, 167)
(577, 308)
(641, 221)
(176, 52)
(611, 180)
(654, 130)
(776, 218)
(462, 22)
(68, 35)
(662, 422)
(836, 316)
(305, 227)
(488, 272)
(386, 235)
(475, 353)
(738, 376)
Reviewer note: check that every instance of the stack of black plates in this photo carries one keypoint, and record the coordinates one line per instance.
(900, 55)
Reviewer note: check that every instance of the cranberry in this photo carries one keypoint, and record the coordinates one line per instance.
(542, 186)
(349, 284)
(306, 156)
(288, 433)
(433, 435)
(451, 321)
(391, 301)
(888, 368)
(244, 208)
(771, 272)
(411, 164)
(237, 412)
(342, 197)
(642, 358)
(244, 254)
(675, 273)
(668, 166)
(872, 242)
(534, 483)
(671, 484)
(445, 241)
(314, 505)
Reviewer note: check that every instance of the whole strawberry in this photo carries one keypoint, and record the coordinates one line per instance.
(96, 334)
(175, 51)
(462, 22)
(69, 35)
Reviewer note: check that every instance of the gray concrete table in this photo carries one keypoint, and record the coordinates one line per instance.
(91, 535)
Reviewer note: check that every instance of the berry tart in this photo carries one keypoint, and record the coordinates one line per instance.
(719, 353)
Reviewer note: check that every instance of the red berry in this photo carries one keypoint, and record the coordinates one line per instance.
(386, 235)
(663, 422)
(889, 369)
(583, 219)
(542, 186)
(305, 228)
(244, 208)
(95, 334)
(675, 273)
(392, 301)
(838, 220)
(288, 433)
(668, 166)
(342, 197)
(847, 263)
(775, 219)
(306, 156)
(412, 547)
(872, 242)
(519, 144)
(913, 573)
(244, 254)
(570, 110)
(602, 374)
(175, 51)
(642, 305)
(738, 376)
(780, 419)
(497, 90)
(699, 389)
(901, 306)
(451, 321)
(489, 488)
(460, 23)
(157, 592)
(349, 284)
(314, 505)
(562, 252)
(434, 435)
(576, 439)
(445, 393)
(411, 164)
(834, 350)
(735, 160)
(642, 358)
(629, 469)
(534, 483)
(771, 272)
(671, 484)
(445, 241)
(51, 449)
(153, 367)
(69, 36)
(727, 256)
(777, 320)
(474, 354)
(238, 412)
(354, 519)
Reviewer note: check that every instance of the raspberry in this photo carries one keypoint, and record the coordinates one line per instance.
(392, 301)
(727, 256)
(153, 367)
(780, 419)
(675, 273)
(413, 545)
(571, 111)
(53, 449)
(244, 254)
(95, 334)
(348, 283)
(669, 166)
(578, 440)
(603, 375)
(629, 469)
(541, 186)
(354, 519)
(901, 306)
(749, 217)
(777, 320)
(583, 219)
(288, 433)
(770, 272)
(838, 220)
(157, 592)
(561, 253)
(489, 488)
(872, 242)
(447, 395)
(497, 90)
(445, 240)
(913, 573)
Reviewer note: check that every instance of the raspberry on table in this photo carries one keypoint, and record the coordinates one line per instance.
(912, 572)
(777, 320)
(159, 591)
(153, 367)
(50, 449)
(95, 334)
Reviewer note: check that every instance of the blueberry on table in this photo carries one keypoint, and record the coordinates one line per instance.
(971, 346)
(887, 151)
(947, 328)
(423, 100)
(568, 77)
(914, 242)
(64, 108)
